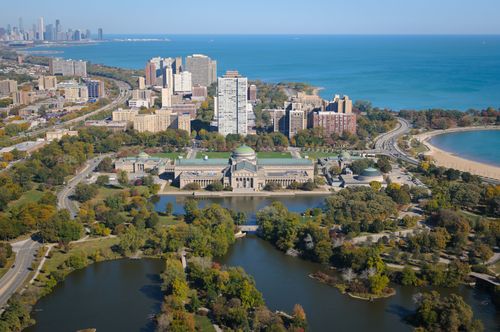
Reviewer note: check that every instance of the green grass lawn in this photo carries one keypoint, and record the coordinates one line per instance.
(313, 155)
(203, 324)
(167, 221)
(169, 155)
(27, 197)
(58, 256)
(273, 155)
(213, 155)
(226, 155)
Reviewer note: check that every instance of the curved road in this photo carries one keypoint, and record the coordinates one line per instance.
(125, 92)
(25, 254)
(63, 197)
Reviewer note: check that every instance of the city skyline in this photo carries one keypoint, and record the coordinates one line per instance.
(278, 17)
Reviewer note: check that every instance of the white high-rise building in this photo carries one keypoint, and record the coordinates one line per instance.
(166, 98)
(41, 28)
(232, 98)
(182, 82)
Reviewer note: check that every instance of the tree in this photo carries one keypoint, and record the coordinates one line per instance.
(123, 178)
(169, 209)
(106, 165)
(299, 317)
(102, 180)
(409, 277)
(131, 240)
(215, 186)
(384, 165)
(85, 192)
(436, 313)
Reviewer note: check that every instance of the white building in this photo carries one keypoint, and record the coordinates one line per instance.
(166, 98)
(183, 82)
(232, 104)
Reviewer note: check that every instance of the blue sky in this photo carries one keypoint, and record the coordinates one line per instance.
(264, 16)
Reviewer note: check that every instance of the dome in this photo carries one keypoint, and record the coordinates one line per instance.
(370, 171)
(244, 152)
(344, 155)
(371, 174)
(143, 155)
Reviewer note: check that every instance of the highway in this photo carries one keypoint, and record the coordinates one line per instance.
(25, 255)
(63, 196)
(125, 93)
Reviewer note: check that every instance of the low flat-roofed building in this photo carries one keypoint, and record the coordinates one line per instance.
(59, 133)
(364, 179)
(141, 163)
(114, 126)
(28, 147)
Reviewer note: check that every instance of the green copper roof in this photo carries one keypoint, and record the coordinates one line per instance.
(244, 149)
(370, 171)
(201, 162)
(283, 161)
(143, 155)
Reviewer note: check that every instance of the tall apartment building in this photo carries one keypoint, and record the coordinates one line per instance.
(161, 120)
(61, 67)
(278, 119)
(74, 92)
(47, 83)
(178, 67)
(183, 122)
(252, 93)
(296, 122)
(166, 98)
(199, 92)
(232, 98)
(183, 82)
(141, 98)
(333, 122)
(150, 73)
(142, 83)
(7, 87)
(202, 68)
(340, 105)
(100, 34)
(146, 122)
(23, 97)
(125, 114)
(96, 88)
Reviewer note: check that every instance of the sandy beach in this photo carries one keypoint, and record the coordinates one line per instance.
(447, 159)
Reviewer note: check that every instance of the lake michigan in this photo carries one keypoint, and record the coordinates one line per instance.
(398, 72)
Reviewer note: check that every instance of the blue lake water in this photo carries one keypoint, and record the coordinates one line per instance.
(399, 72)
(482, 146)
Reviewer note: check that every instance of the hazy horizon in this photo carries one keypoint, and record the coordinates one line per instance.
(260, 17)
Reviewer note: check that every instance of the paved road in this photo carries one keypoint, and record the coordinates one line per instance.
(63, 197)
(125, 92)
(388, 142)
(25, 255)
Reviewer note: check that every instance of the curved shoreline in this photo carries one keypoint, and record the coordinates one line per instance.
(449, 159)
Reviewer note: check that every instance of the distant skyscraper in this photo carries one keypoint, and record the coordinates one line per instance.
(58, 29)
(50, 32)
(41, 29)
(203, 69)
(88, 34)
(150, 73)
(21, 27)
(99, 34)
(232, 98)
